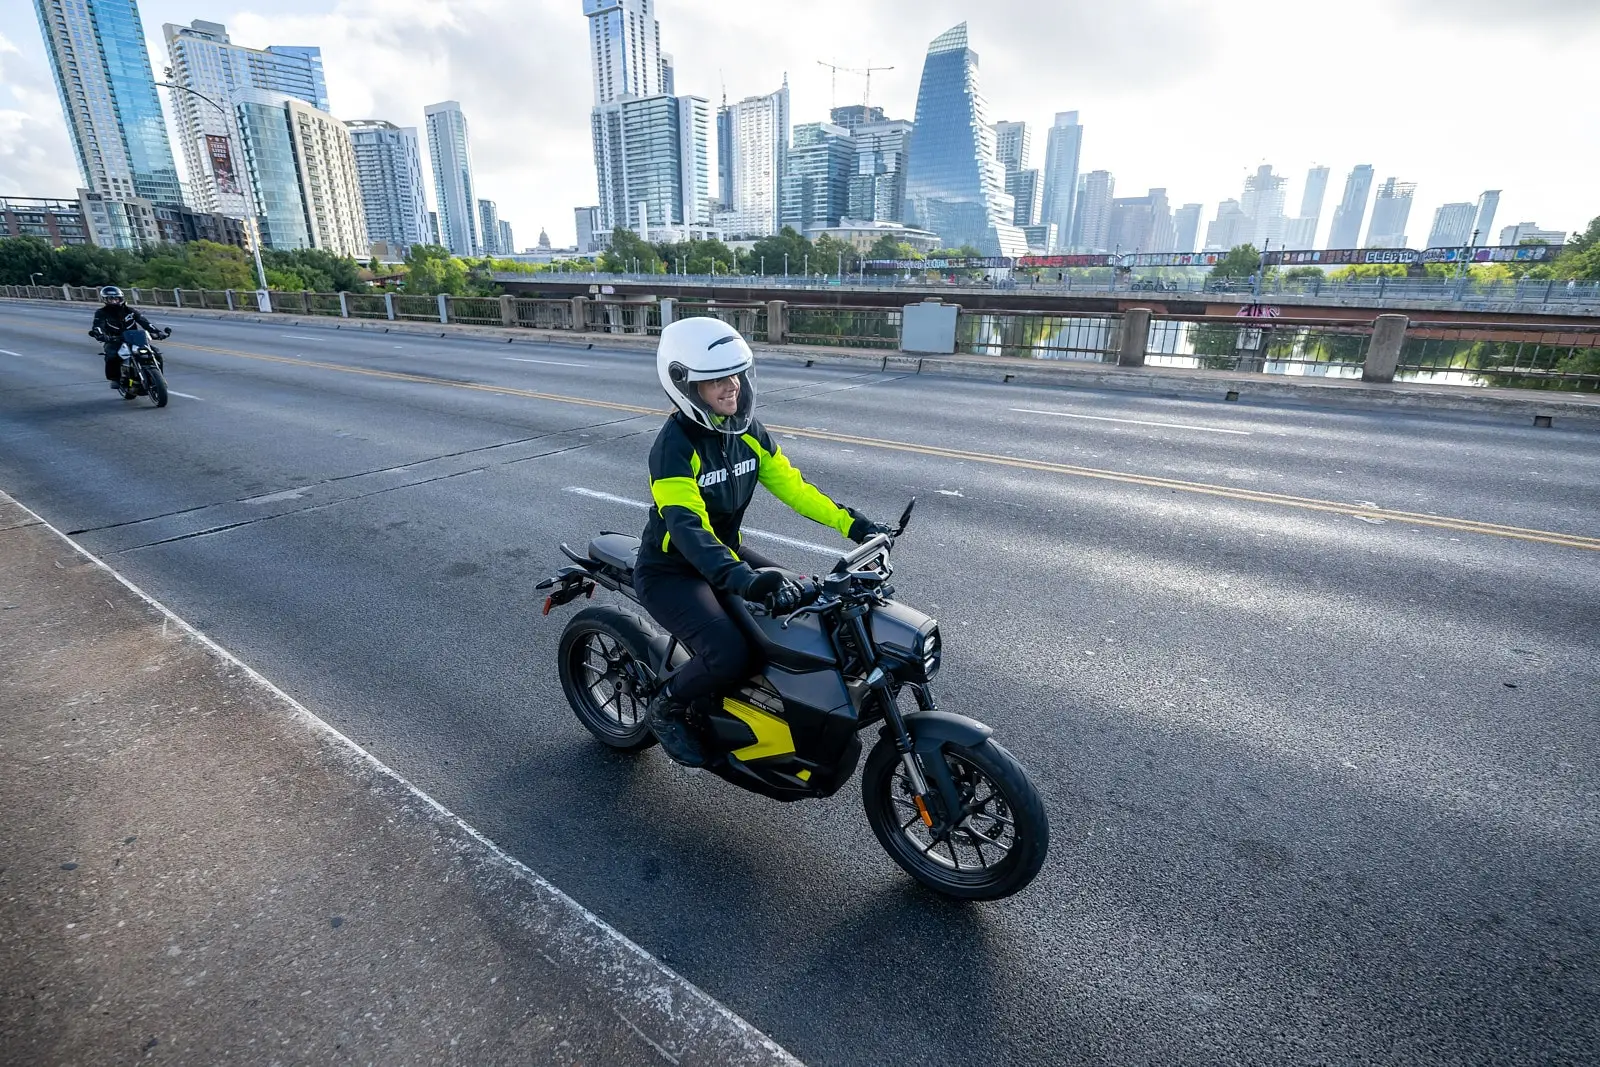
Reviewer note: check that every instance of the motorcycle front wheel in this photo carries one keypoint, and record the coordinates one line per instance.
(1001, 834)
(156, 385)
(603, 656)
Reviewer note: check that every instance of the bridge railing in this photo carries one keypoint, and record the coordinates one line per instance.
(1477, 354)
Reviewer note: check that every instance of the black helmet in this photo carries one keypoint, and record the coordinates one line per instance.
(111, 294)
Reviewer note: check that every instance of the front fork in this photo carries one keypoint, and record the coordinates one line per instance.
(944, 786)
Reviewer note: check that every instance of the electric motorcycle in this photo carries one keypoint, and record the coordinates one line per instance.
(142, 366)
(948, 804)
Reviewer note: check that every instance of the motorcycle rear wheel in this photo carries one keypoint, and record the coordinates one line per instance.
(1003, 835)
(603, 655)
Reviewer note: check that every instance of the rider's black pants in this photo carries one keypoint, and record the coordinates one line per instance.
(683, 602)
(113, 360)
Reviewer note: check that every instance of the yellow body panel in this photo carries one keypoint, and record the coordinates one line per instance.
(772, 733)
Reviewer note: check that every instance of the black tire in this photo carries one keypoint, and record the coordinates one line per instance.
(886, 793)
(157, 386)
(620, 641)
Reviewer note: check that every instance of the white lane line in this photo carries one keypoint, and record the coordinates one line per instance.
(1132, 422)
(582, 939)
(186, 396)
(808, 546)
(8, 352)
(547, 362)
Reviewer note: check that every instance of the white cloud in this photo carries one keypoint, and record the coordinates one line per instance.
(35, 155)
(1456, 95)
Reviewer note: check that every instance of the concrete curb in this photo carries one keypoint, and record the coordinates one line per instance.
(684, 1023)
(1157, 381)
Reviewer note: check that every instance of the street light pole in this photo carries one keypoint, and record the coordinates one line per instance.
(250, 189)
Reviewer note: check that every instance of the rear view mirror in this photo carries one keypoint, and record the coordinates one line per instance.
(905, 517)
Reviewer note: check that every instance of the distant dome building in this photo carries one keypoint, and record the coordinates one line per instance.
(544, 240)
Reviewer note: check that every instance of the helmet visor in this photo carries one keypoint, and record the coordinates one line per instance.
(726, 402)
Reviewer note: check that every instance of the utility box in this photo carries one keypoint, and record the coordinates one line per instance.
(929, 328)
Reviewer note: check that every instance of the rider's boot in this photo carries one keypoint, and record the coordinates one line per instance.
(669, 722)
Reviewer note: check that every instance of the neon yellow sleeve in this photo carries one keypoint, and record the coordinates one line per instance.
(784, 481)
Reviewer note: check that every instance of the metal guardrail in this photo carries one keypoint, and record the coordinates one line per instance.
(1478, 354)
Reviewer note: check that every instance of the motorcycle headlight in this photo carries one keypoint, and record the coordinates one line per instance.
(928, 650)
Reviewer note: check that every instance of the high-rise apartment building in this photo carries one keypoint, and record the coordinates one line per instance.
(625, 48)
(1390, 210)
(205, 59)
(507, 240)
(1027, 196)
(1452, 225)
(586, 221)
(108, 94)
(1186, 227)
(389, 166)
(651, 149)
(955, 185)
(1140, 223)
(1531, 233)
(1230, 229)
(1013, 143)
(454, 191)
(655, 160)
(433, 229)
(1061, 176)
(1301, 231)
(1263, 200)
(304, 173)
(878, 184)
(816, 185)
(1488, 204)
(752, 153)
(489, 227)
(1091, 216)
(1345, 231)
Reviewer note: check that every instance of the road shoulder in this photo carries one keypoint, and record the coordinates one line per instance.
(197, 869)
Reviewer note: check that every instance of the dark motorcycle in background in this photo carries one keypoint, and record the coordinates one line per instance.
(948, 804)
(142, 367)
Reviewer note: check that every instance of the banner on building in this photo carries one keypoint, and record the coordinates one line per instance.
(1059, 262)
(221, 154)
(1340, 257)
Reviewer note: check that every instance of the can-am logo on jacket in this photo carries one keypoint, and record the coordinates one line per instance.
(740, 469)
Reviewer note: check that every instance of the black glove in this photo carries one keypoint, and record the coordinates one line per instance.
(764, 586)
(96, 334)
(864, 529)
(166, 333)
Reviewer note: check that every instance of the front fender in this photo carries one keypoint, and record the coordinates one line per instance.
(932, 730)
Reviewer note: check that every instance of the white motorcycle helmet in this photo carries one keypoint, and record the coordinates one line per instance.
(702, 350)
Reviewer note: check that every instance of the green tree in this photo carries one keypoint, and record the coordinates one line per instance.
(890, 247)
(1240, 262)
(629, 252)
(772, 250)
(432, 275)
(22, 257)
(93, 265)
(320, 270)
(1302, 274)
(832, 250)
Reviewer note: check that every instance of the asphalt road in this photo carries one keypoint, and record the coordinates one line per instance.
(1322, 778)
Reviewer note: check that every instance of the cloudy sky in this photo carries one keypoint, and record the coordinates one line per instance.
(1455, 95)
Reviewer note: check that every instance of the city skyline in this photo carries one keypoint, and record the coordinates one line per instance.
(539, 175)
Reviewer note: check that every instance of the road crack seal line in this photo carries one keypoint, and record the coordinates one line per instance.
(1444, 522)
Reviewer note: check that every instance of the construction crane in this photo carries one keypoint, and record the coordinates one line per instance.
(867, 71)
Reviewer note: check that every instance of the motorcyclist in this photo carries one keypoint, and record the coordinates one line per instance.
(704, 467)
(110, 320)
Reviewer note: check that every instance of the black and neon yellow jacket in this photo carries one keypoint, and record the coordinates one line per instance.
(702, 482)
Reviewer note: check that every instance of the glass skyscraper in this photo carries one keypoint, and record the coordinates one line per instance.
(955, 185)
(453, 186)
(206, 60)
(1060, 194)
(1346, 229)
(102, 71)
(816, 186)
(269, 154)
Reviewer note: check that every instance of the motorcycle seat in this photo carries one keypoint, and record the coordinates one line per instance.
(616, 550)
